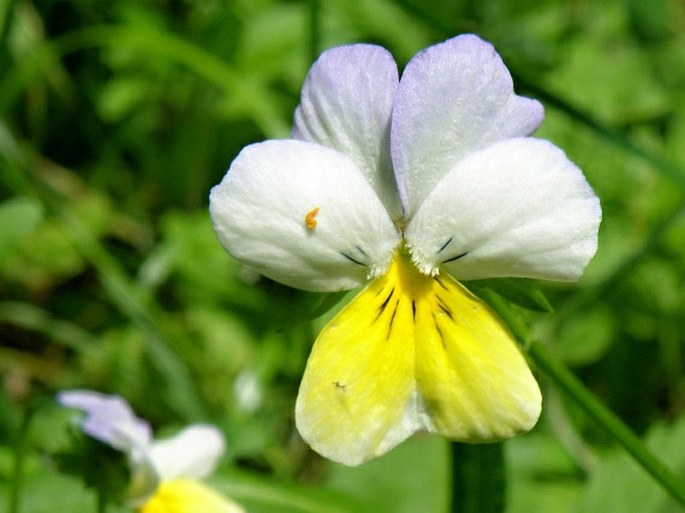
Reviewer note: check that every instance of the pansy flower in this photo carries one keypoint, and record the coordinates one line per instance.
(410, 186)
(165, 474)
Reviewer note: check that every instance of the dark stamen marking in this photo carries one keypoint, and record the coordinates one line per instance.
(445, 309)
(387, 299)
(392, 318)
(440, 334)
(384, 304)
(361, 250)
(445, 245)
(456, 257)
(440, 283)
(413, 310)
(353, 260)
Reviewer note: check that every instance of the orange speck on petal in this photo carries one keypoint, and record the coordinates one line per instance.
(309, 218)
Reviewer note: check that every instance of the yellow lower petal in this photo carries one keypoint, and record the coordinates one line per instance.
(355, 399)
(413, 352)
(188, 496)
(473, 380)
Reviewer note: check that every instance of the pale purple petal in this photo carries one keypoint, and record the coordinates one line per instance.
(109, 418)
(454, 98)
(346, 104)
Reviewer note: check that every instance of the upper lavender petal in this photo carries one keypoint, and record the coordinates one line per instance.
(346, 104)
(454, 98)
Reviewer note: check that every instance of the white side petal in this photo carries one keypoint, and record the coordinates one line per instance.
(109, 419)
(454, 98)
(304, 215)
(519, 208)
(192, 453)
(346, 104)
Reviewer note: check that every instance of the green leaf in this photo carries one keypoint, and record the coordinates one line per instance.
(520, 291)
(410, 478)
(325, 303)
(586, 336)
(18, 217)
(542, 477)
(48, 491)
(262, 495)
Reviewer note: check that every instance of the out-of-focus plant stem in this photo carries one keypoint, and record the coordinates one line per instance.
(18, 468)
(314, 29)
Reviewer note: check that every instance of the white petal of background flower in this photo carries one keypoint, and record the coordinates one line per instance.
(454, 98)
(109, 418)
(192, 453)
(518, 208)
(346, 104)
(273, 189)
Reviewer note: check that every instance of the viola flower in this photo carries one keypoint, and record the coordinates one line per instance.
(410, 184)
(165, 473)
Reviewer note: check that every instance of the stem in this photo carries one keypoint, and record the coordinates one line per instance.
(19, 456)
(101, 500)
(6, 12)
(478, 478)
(314, 30)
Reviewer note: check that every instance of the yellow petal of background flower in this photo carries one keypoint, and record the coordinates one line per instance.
(188, 496)
(413, 352)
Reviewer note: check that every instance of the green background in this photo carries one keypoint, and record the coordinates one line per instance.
(116, 118)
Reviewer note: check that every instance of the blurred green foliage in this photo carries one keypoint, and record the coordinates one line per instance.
(116, 118)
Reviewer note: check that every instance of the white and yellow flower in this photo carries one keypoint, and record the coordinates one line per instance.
(412, 184)
(165, 474)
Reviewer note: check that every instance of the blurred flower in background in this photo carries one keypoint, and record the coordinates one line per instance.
(166, 474)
